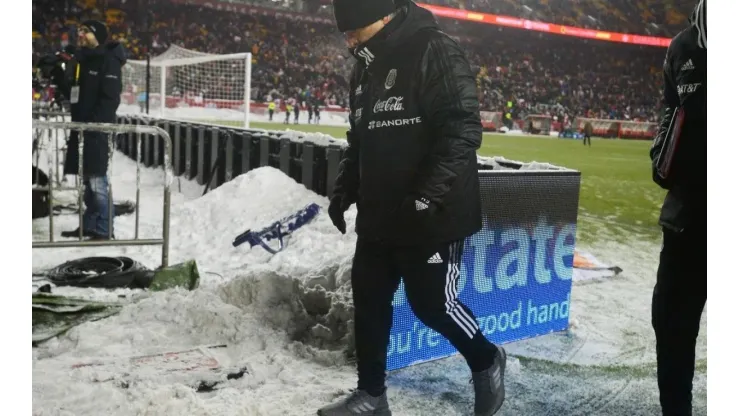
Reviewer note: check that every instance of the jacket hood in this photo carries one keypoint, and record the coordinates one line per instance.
(410, 19)
(698, 20)
(116, 49)
(416, 18)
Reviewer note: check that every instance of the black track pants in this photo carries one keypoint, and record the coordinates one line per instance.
(678, 301)
(430, 276)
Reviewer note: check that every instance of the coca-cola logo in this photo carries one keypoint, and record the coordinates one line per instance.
(389, 104)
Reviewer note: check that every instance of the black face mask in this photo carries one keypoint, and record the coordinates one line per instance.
(375, 43)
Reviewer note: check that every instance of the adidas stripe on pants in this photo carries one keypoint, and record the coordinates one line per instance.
(430, 276)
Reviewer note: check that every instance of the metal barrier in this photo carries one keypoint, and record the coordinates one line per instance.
(111, 129)
(213, 154)
(50, 115)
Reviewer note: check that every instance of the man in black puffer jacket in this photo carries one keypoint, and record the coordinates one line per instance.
(411, 168)
(679, 156)
(93, 86)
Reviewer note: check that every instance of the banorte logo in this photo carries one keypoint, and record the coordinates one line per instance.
(389, 104)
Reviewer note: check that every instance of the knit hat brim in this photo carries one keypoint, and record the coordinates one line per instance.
(98, 29)
(356, 14)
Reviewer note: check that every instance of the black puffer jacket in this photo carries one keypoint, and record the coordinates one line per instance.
(99, 80)
(685, 93)
(414, 131)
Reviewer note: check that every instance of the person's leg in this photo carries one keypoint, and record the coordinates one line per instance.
(98, 205)
(678, 302)
(374, 282)
(430, 274)
(89, 218)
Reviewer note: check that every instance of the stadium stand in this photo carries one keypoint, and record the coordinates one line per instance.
(646, 17)
(306, 59)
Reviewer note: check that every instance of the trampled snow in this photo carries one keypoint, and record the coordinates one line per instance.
(284, 318)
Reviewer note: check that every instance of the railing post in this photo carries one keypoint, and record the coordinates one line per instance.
(307, 165)
(109, 130)
(333, 157)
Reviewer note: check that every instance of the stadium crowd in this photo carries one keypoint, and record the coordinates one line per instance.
(307, 60)
(645, 17)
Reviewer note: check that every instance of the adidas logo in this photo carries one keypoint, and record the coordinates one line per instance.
(422, 204)
(435, 259)
(362, 408)
(688, 66)
(497, 378)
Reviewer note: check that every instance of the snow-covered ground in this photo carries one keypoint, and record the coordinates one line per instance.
(254, 302)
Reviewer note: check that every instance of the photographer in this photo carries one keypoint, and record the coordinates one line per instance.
(92, 83)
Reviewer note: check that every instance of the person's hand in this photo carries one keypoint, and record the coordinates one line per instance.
(337, 207)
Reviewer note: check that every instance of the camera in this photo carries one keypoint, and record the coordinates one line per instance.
(51, 71)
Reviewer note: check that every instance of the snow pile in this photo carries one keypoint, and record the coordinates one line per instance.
(501, 163)
(319, 139)
(316, 311)
(287, 317)
(302, 290)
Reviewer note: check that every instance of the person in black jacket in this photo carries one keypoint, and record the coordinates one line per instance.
(679, 156)
(93, 87)
(411, 168)
(317, 112)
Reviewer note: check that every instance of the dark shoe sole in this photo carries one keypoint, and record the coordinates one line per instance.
(87, 235)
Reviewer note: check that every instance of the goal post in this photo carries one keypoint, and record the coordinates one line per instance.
(191, 86)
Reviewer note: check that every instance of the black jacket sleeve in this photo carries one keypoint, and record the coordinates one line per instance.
(109, 96)
(449, 100)
(347, 182)
(348, 178)
(671, 101)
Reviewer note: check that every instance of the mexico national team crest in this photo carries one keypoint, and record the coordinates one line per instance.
(390, 81)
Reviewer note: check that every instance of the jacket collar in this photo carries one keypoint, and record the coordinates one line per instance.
(380, 45)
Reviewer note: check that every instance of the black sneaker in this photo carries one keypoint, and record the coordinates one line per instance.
(359, 403)
(489, 386)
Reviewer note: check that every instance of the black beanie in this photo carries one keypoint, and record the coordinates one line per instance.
(98, 29)
(356, 14)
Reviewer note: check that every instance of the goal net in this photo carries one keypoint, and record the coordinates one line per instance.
(190, 86)
(538, 124)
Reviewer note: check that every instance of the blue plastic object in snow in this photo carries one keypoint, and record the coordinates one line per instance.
(278, 229)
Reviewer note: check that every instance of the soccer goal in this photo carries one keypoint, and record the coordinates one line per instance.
(190, 86)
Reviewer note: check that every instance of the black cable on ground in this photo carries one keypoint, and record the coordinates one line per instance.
(101, 272)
